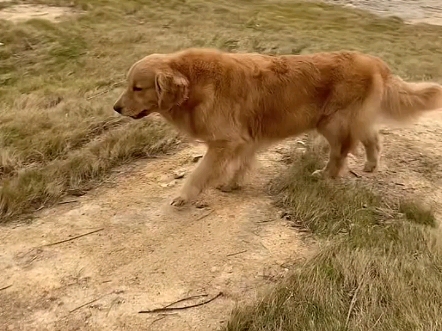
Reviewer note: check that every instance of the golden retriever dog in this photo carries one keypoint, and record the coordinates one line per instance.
(239, 103)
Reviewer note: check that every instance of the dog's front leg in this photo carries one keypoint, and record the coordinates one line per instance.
(209, 169)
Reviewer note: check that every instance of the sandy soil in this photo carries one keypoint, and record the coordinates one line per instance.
(146, 254)
(412, 11)
(23, 12)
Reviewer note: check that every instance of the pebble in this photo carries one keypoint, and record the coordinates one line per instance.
(196, 158)
(179, 174)
(170, 184)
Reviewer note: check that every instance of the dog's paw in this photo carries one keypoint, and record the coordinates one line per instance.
(178, 201)
(370, 166)
(227, 188)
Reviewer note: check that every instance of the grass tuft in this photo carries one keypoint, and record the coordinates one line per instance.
(414, 212)
(38, 186)
(379, 265)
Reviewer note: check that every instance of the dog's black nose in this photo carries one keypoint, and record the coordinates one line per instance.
(118, 109)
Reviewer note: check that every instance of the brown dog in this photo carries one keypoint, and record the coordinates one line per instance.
(237, 103)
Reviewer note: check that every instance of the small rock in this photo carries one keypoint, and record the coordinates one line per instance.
(284, 215)
(196, 158)
(170, 184)
(201, 204)
(179, 174)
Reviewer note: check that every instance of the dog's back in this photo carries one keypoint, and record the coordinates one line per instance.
(273, 97)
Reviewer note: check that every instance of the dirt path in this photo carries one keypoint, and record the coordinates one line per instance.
(412, 11)
(147, 254)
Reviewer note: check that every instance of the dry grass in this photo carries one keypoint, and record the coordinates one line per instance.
(379, 265)
(58, 81)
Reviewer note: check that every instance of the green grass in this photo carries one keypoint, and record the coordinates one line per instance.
(378, 266)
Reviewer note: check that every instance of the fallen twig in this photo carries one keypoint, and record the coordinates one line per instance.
(73, 238)
(111, 305)
(377, 321)
(186, 299)
(6, 287)
(104, 92)
(157, 320)
(29, 44)
(204, 216)
(162, 316)
(168, 308)
(66, 202)
(355, 174)
(88, 303)
(353, 302)
(237, 253)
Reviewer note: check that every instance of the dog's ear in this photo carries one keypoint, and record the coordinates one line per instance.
(172, 89)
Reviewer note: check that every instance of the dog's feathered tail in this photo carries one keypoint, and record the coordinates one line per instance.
(403, 101)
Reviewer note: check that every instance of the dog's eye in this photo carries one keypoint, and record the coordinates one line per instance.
(136, 88)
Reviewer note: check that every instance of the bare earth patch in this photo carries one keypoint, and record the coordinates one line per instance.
(148, 254)
(412, 11)
(18, 13)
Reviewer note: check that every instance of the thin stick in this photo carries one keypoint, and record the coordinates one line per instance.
(104, 92)
(158, 310)
(204, 216)
(162, 316)
(73, 238)
(111, 305)
(88, 303)
(6, 287)
(186, 299)
(237, 253)
(29, 44)
(355, 174)
(157, 320)
(66, 202)
(377, 321)
(353, 302)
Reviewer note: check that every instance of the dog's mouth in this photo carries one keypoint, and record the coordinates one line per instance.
(144, 113)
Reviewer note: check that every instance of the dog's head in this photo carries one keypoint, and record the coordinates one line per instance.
(152, 86)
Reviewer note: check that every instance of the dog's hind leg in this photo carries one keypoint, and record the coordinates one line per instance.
(341, 142)
(373, 146)
(241, 164)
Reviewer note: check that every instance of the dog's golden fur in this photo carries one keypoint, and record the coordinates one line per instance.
(237, 103)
